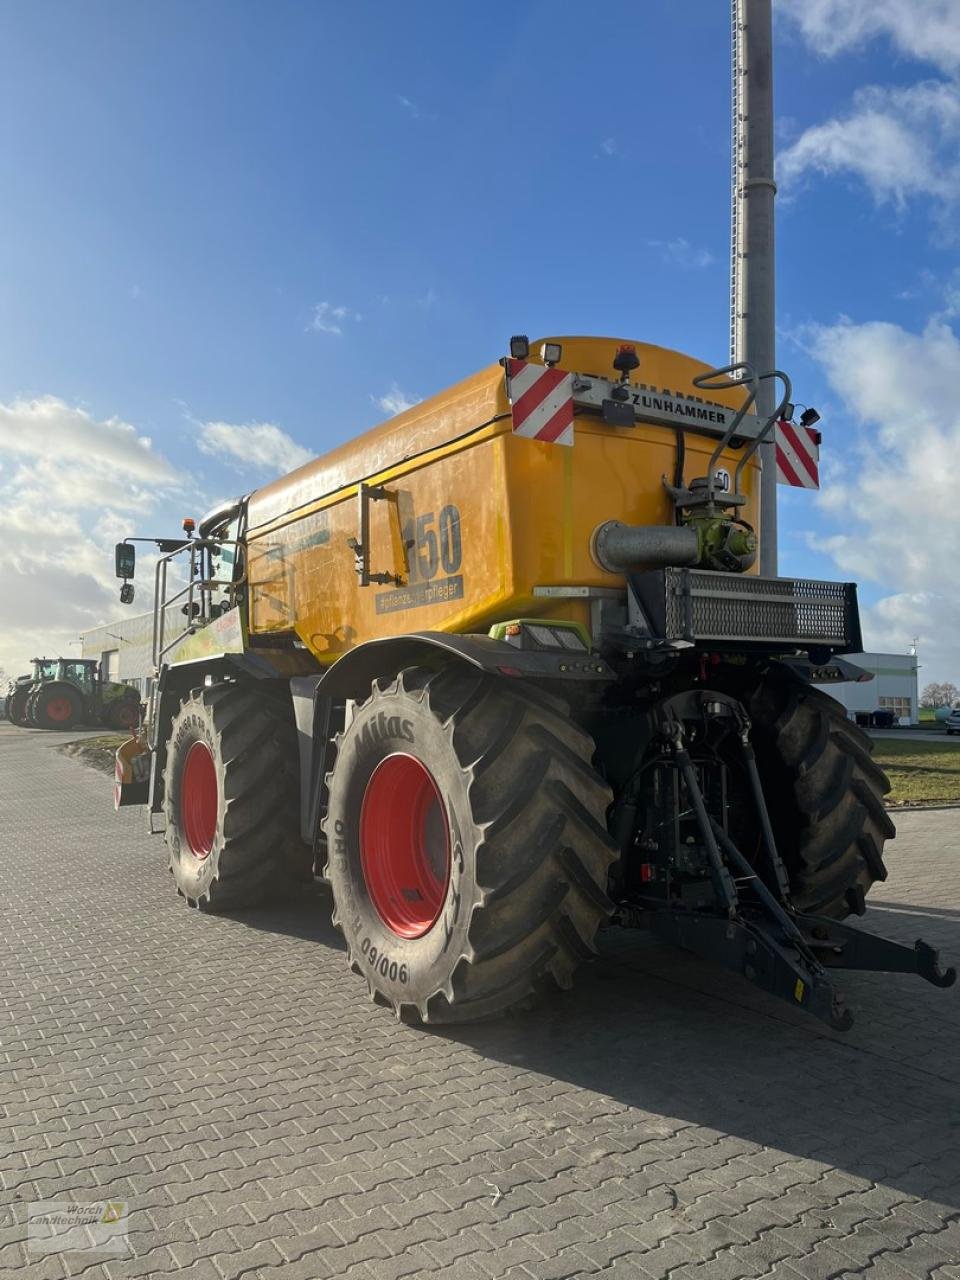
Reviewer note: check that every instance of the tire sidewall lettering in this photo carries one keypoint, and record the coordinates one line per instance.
(193, 875)
(401, 968)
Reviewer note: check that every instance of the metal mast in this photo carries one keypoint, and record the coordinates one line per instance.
(752, 301)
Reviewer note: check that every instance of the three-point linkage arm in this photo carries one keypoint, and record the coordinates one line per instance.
(754, 928)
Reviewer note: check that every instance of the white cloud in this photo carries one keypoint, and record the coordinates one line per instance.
(254, 446)
(413, 109)
(395, 401)
(48, 431)
(901, 142)
(897, 497)
(328, 318)
(951, 296)
(609, 146)
(928, 30)
(70, 486)
(681, 253)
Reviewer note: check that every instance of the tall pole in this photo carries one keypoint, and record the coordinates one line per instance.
(753, 303)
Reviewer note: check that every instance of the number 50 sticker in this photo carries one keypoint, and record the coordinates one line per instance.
(434, 543)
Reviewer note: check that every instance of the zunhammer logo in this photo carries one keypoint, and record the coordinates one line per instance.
(680, 407)
(384, 727)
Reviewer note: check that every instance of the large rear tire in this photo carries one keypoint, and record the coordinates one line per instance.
(824, 792)
(56, 707)
(468, 851)
(231, 799)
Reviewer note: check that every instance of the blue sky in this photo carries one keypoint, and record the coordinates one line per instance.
(246, 232)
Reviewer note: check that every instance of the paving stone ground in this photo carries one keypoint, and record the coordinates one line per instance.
(227, 1078)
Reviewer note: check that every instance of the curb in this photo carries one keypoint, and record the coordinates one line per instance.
(920, 808)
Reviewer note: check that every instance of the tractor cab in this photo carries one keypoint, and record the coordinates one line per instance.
(199, 579)
(83, 672)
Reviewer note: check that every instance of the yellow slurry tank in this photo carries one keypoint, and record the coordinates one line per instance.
(469, 519)
(500, 673)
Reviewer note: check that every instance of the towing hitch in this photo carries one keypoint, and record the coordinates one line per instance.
(751, 926)
(796, 972)
(842, 947)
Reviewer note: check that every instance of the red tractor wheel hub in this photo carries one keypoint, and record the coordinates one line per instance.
(58, 708)
(405, 846)
(199, 797)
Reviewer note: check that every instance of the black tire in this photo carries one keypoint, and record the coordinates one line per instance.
(824, 792)
(122, 713)
(528, 847)
(17, 707)
(56, 706)
(255, 853)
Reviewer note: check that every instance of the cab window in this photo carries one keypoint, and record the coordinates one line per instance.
(225, 567)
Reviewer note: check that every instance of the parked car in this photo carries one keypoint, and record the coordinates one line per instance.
(953, 721)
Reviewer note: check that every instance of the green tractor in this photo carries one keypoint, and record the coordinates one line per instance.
(21, 688)
(76, 693)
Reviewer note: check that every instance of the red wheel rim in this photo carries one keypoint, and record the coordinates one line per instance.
(59, 708)
(198, 799)
(405, 846)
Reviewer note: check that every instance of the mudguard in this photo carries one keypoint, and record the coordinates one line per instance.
(352, 675)
(131, 774)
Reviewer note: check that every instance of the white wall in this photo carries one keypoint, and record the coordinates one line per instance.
(894, 685)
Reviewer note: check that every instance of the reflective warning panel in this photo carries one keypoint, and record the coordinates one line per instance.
(541, 400)
(798, 456)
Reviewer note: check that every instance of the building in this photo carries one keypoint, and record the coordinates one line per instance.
(124, 648)
(893, 687)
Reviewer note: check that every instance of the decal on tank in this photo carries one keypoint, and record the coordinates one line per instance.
(434, 544)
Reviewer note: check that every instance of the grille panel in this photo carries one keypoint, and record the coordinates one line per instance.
(695, 605)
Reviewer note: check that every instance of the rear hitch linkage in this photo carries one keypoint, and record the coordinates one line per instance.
(782, 950)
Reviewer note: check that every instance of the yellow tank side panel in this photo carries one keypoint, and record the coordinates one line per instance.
(473, 518)
(457, 566)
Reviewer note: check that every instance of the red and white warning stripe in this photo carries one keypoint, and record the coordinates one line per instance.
(798, 456)
(541, 399)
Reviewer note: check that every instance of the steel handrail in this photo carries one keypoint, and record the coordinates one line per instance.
(774, 418)
(199, 584)
(721, 380)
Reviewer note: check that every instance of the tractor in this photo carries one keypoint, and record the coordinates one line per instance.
(502, 673)
(21, 688)
(71, 691)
